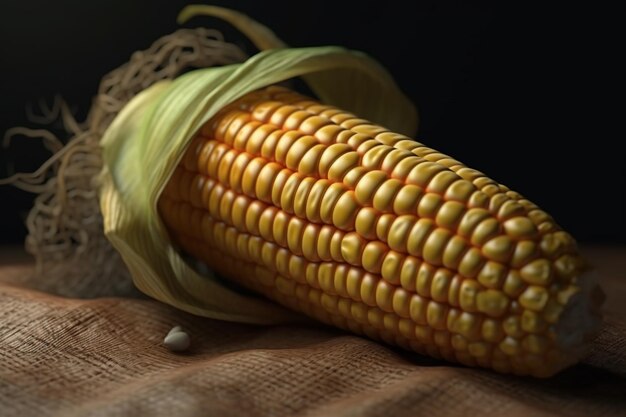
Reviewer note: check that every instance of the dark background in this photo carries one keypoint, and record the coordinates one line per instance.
(522, 95)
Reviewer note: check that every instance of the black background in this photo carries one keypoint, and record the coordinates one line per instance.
(522, 95)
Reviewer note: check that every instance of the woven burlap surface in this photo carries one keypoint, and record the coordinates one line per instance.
(104, 357)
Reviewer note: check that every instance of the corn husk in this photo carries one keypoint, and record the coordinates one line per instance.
(145, 142)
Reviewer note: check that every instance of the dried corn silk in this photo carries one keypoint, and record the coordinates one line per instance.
(65, 232)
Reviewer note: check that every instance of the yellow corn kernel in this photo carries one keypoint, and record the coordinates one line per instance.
(492, 302)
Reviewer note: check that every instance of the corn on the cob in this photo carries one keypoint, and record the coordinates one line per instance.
(359, 227)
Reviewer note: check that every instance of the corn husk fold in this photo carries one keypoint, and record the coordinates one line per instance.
(145, 142)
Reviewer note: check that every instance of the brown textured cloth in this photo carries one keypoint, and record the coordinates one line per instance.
(104, 357)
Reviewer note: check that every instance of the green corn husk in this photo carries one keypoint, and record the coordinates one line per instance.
(145, 142)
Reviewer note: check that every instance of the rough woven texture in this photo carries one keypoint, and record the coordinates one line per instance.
(104, 357)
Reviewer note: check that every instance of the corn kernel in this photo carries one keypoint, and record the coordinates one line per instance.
(534, 298)
(537, 272)
(492, 302)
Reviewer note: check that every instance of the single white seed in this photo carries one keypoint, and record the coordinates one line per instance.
(177, 340)
(175, 329)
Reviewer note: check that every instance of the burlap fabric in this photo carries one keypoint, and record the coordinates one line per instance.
(104, 357)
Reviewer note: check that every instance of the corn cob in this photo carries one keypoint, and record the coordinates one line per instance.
(370, 231)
